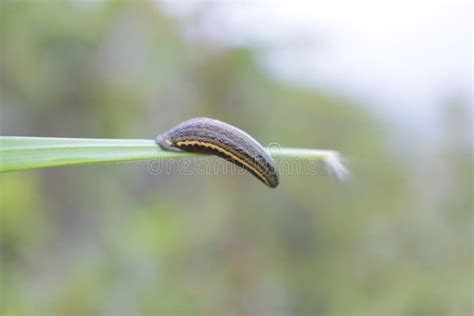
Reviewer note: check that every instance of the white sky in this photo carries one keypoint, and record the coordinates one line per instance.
(403, 58)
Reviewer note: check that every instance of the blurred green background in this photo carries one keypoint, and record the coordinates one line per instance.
(396, 239)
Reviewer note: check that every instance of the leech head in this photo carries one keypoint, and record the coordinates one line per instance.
(166, 143)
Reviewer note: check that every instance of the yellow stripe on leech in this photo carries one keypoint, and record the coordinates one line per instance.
(225, 152)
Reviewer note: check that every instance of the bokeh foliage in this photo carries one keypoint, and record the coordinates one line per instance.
(114, 239)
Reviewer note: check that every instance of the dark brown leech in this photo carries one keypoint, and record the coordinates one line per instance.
(210, 136)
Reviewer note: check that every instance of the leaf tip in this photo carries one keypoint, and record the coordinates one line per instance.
(335, 165)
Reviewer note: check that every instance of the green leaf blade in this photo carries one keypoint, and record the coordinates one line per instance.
(22, 153)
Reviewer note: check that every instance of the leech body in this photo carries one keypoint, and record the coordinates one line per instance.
(205, 135)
